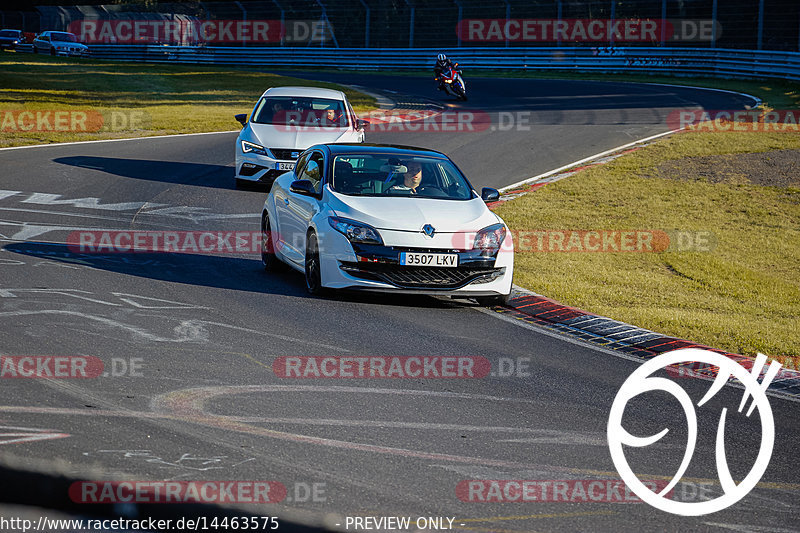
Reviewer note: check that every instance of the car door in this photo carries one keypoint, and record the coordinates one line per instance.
(299, 209)
(282, 201)
(42, 43)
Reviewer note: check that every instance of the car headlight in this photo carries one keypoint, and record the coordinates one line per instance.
(355, 231)
(490, 238)
(253, 148)
(448, 81)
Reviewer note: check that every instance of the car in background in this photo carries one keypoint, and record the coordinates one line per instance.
(284, 122)
(9, 39)
(389, 219)
(59, 43)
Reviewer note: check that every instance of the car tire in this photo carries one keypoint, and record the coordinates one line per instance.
(493, 301)
(313, 268)
(52, 51)
(35, 50)
(268, 258)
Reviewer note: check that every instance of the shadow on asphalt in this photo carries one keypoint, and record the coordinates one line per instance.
(202, 175)
(215, 271)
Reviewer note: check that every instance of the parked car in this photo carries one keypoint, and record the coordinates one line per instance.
(59, 43)
(9, 39)
(390, 219)
(284, 122)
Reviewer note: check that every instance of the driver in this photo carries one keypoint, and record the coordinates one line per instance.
(443, 63)
(332, 117)
(411, 179)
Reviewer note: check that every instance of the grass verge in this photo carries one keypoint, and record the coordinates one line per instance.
(742, 296)
(133, 99)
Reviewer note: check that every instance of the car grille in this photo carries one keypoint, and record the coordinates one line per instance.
(285, 153)
(414, 277)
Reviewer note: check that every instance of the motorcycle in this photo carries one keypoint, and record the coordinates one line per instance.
(453, 83)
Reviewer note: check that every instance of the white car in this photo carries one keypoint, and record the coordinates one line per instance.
(286, 121)
(386, 218)
(59, 43)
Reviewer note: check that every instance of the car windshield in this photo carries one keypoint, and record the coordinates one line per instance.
(9, 33)
(306, 111)
(399, 176)
(63, 37)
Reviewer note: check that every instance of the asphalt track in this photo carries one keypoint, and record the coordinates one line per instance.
(206, 405)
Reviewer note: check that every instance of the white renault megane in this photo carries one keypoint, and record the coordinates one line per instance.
(386, 218)
(284, 122)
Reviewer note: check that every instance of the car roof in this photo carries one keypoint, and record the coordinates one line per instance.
(305, 92)
(386, 149)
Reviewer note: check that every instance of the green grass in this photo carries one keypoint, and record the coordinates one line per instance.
(171, 98)
(743, 296)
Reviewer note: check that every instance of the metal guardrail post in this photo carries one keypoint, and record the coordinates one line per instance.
(327, 25)
(283, 22)
(560, 14)
(663, 22)
(410, 25)
(760, 23)
(460, 13)
(244, 18)
(714, 24)
(611, 24)
(508, 18)
(366, 24)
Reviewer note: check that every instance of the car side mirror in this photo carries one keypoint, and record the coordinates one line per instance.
(361, 124)
(304, 187)
(241, 118)
(490, 195)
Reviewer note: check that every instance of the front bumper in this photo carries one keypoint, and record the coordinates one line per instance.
(259, 168)
(377, 268)
(72, 53)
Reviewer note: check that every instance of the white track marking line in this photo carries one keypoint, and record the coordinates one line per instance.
(586, 160)
(756, 102)
(586, 344)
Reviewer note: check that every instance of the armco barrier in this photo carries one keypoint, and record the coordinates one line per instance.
(677, 61)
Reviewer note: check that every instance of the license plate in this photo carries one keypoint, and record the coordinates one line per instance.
(285, 166)
(422, 259)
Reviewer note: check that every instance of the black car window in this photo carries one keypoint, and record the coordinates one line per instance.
(301, 161)
(313, 170)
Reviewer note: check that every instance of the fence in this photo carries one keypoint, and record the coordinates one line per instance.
(734, 24)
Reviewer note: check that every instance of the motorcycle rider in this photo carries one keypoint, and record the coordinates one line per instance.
(443, 63)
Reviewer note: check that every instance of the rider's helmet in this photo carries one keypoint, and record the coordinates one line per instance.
(441, 59)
